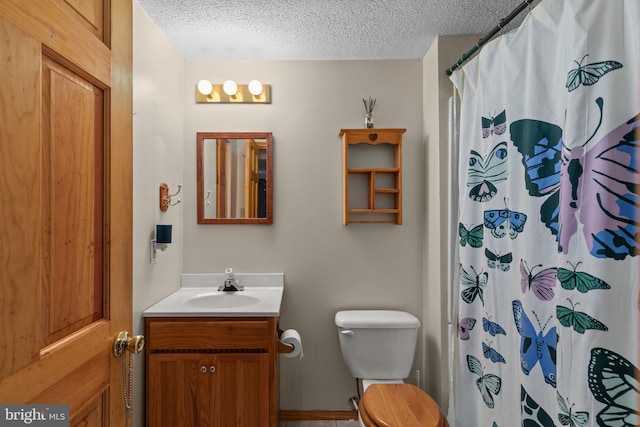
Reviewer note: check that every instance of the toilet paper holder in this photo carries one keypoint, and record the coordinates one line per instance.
(282, 346)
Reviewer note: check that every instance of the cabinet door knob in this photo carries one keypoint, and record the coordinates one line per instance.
(203, 369)
(212, 369)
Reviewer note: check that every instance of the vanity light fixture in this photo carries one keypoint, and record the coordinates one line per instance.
(230, 92)
(205, 87)
(230, 88)
(255, 87)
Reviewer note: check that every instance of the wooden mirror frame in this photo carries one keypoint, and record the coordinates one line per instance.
(201, 137)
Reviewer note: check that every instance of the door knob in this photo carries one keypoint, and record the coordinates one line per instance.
(136, 344)
(124, 342)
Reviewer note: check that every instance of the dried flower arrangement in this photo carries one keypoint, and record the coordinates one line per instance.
(368, 108)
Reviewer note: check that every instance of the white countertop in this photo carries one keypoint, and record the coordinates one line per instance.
(261, 297)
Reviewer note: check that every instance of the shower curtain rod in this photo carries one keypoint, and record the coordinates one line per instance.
(493, 32)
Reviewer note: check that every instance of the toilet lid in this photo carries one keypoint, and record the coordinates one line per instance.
(394, 405)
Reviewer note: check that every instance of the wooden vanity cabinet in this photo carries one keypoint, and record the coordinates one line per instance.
(212, 372)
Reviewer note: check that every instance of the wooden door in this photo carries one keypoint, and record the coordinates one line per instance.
(252, 153)
(221, 178)
(178, 387)
(240, 394)
(66, 215)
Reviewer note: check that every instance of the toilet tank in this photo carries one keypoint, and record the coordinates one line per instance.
(377, 344)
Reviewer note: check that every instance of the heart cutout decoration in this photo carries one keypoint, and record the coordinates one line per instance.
(373, 137)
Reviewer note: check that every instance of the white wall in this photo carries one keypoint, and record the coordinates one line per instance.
(327, 266)
(158, 75)
(439, 221)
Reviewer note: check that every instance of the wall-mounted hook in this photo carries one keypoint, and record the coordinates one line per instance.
(165, 197)
(207, 198)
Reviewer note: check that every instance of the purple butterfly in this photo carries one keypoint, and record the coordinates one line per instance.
(464, 327)
(541, 284)
(596, 186)
(609, 213)
(495, 125)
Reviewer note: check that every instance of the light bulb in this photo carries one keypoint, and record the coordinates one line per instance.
(205, 87)
(255, 87)
(230, 87)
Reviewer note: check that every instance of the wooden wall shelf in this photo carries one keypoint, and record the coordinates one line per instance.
(372, 176)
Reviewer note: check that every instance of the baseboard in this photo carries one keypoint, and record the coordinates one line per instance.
(317, 415)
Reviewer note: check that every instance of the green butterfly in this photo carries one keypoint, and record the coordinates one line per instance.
(613, 380)
(570, 418)
(580, 321)
(583, 282)
(473, 237)
(589, 74)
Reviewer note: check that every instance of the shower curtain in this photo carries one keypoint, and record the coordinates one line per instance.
(547, 302)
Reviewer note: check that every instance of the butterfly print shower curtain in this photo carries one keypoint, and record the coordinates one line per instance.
(548, 222)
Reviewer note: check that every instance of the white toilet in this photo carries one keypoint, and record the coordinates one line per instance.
(378, 347)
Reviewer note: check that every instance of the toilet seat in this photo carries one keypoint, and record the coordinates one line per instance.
(399, 405)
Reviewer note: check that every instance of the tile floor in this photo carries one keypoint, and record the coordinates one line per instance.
(324, 423)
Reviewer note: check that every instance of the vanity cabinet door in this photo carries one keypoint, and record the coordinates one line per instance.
(240, 390)
(211, 373)
(178, 390)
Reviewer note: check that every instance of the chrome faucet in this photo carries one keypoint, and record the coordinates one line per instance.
(230, 283)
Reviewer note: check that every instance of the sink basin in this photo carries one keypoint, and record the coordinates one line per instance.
(218, 300)
(198, 296)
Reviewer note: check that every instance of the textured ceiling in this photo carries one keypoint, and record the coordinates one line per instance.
(320, 29)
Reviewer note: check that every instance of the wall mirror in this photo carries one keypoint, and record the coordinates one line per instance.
(235, 177)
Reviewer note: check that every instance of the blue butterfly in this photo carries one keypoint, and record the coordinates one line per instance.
(613, 380)
(492, 327)
(503, 221)
(597, 187)
(492, 354)
(534, 347)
